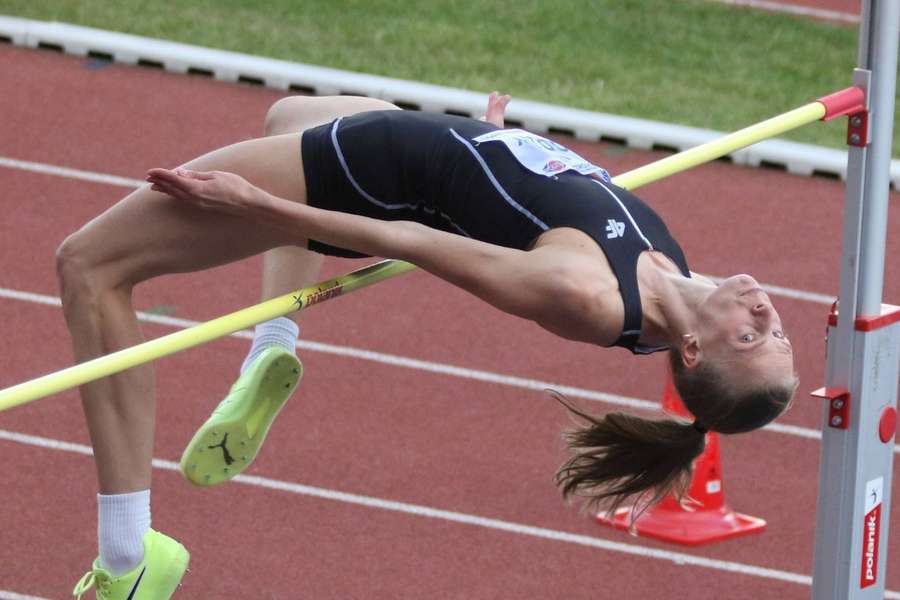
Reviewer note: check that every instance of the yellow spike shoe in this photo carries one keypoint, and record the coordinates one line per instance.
(156, 578)
(231, 438)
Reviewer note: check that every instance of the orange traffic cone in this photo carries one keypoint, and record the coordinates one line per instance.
(710, 519)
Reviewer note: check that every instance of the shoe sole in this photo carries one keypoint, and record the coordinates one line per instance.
(224, 446)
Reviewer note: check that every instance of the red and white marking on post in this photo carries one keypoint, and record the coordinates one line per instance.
(872, 529)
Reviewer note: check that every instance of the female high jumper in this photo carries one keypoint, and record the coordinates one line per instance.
(515, 219)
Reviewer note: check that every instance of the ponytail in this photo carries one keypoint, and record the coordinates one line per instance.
(620, 456)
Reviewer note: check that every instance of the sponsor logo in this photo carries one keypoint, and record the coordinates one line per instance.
(136, 584)
(322, 295)
(539, 155)
(226, 455)
(536, 140)
(554, 165)
(614, 229)
(871, 533)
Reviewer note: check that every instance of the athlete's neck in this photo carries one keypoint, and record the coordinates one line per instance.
(669, 301)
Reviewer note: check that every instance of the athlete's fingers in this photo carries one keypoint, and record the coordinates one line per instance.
(174, 179)
(199, 175)
(180, 175)
(172, 193)
(160, 173)
(498, 102)
(491, 97)
(163, 180)
(165, 177)
(496, 108)
(170, 184)
(217, 191)
(169, 190)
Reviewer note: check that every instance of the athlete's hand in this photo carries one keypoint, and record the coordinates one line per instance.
(212, 190)
(496, 108)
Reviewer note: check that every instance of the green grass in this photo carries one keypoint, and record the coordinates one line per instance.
(691, 62)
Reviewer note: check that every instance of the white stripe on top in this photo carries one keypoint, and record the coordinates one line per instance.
(362, 192)
(497, 185)
(369, 197)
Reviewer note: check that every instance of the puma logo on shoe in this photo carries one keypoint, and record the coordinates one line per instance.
(225, 453)
(136, 584)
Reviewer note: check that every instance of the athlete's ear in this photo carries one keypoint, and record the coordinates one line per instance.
(690, 350)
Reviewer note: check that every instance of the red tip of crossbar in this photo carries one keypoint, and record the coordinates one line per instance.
(845, 102)
(890, 314)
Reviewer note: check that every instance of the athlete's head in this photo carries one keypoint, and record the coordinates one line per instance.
(734, 373)
(738, 333)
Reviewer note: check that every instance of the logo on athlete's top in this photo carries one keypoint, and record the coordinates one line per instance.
(614, 229)
(538, 154)
(554, 166)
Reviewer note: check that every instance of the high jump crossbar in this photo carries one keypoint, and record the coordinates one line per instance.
(844, 102)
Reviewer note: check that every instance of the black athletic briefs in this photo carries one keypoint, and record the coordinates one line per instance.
(405, 165)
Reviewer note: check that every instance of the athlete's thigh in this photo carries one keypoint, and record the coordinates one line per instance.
(148, 233)
(296, 113)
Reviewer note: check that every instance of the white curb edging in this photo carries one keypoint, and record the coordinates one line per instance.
(801, 159)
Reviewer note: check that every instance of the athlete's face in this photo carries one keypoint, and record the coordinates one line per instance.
(740, 329)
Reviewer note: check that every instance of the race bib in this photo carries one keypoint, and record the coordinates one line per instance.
(540, 155)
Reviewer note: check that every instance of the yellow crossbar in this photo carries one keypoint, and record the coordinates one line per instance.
(151, 350)
(723, 146)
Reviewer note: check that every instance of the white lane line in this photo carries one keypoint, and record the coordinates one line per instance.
(7, 595)
(134, 183)
(430, 367)
(456, 517)
(46, 169)
(793, 9)
(776, 290)
(452, 516)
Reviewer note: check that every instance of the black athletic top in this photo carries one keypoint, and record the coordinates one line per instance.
(440, 170)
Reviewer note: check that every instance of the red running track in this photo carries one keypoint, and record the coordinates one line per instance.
(360, 426)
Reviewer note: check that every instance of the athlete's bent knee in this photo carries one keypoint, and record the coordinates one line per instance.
(283, 113)
(291, 114)
(81, 282)
(72, 271)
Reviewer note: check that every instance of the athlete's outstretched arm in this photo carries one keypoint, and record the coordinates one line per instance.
(549, 285)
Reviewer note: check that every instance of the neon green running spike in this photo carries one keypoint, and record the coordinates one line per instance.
(156, 578)
(230, 439)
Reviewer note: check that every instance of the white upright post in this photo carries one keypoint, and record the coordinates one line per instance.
(863, 362)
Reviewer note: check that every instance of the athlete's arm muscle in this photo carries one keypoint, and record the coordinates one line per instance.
(546, 285)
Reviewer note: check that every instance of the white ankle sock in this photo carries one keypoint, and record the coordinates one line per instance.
(122, 521)
(280, 331)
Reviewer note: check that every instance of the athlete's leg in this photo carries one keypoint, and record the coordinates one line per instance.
(270, 370)
(145, 235)
(290, 268)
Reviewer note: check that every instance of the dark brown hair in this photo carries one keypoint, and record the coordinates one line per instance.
(618, 456)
